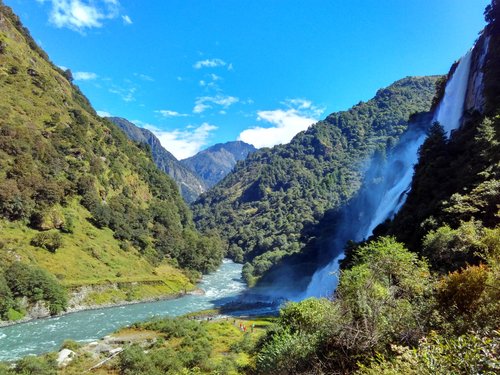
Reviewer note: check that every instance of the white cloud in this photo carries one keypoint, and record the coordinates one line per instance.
(169, 113)
(83, 14)
(126, 20)
(144, 77)
(211, 63)
(104, 114)
(205, 102)
(84, 76)
(127, 94)
(183, 143)
(285, 123)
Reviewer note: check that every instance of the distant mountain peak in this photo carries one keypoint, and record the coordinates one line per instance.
(215, 162)
(190, 185)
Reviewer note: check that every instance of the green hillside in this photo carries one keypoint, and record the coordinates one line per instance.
(189, 183)
(77, 198)
(421, 296)
(269, 205)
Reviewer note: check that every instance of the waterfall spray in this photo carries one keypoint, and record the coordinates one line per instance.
(380, 202)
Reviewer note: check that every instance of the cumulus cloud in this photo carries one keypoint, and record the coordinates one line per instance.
(169, 113)
(84, 76)
(104, 114)
(209, 63)
(83, 14)
(284, 123)
(183, 143)
(205, 102)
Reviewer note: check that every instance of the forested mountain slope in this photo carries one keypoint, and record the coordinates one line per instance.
(434, 309)
(268, 206)
(190, 185)
(80, 204)
(214, 163)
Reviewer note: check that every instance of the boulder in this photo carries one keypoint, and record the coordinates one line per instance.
(64, 357)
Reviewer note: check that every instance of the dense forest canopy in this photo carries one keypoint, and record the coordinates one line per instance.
(269, 205)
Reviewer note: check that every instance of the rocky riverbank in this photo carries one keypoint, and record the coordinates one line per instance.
(79, 296)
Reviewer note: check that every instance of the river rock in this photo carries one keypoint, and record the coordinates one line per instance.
(64, 357)
(116, 350)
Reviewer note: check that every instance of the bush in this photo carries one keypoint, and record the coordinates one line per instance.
(36, 366)
(6, 300)
(50, 241)
(71, 345)
(451, 249)
(463, 289)
(436, 355)
(37, 285)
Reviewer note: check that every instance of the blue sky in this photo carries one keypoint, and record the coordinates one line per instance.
(199, 72)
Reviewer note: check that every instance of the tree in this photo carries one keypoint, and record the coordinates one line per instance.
(68, 75)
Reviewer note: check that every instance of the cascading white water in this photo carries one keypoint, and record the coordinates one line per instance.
(376, 204)
(450, 110)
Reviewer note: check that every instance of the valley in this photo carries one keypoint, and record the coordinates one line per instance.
(366, 242)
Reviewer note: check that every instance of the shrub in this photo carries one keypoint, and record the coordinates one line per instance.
(436, 355)
(6, 300)
(463, 289)
(50, 241)
(36, 366)
(37, 285)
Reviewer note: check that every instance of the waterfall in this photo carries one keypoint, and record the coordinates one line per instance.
(450, 109)
(387, 183)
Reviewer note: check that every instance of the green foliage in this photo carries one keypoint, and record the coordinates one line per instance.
(287, 353)
(192, 352)
(452, 249)
(384, 298)
(462, 290)
(71, 345)
(455, 181)
(37, 285)
(190, 184)
(55, 150)
(269, 205)
(46, 365)
(50, 241)
(309, 314)
(438, 355)
(6, 298)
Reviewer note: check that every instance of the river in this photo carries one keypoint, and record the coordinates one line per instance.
(44, 335)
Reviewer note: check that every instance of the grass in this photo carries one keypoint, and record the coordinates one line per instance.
(93, 257)
(35, 105)
(231, 347)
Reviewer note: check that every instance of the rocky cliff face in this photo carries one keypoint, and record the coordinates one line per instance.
(214, 163)
(475, 99)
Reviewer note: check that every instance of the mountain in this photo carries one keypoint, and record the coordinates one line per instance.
(81, 206)
(190, 185)
(269, 205)
(214, 163)
(421, 293)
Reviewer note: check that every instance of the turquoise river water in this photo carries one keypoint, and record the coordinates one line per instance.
(44, 335)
